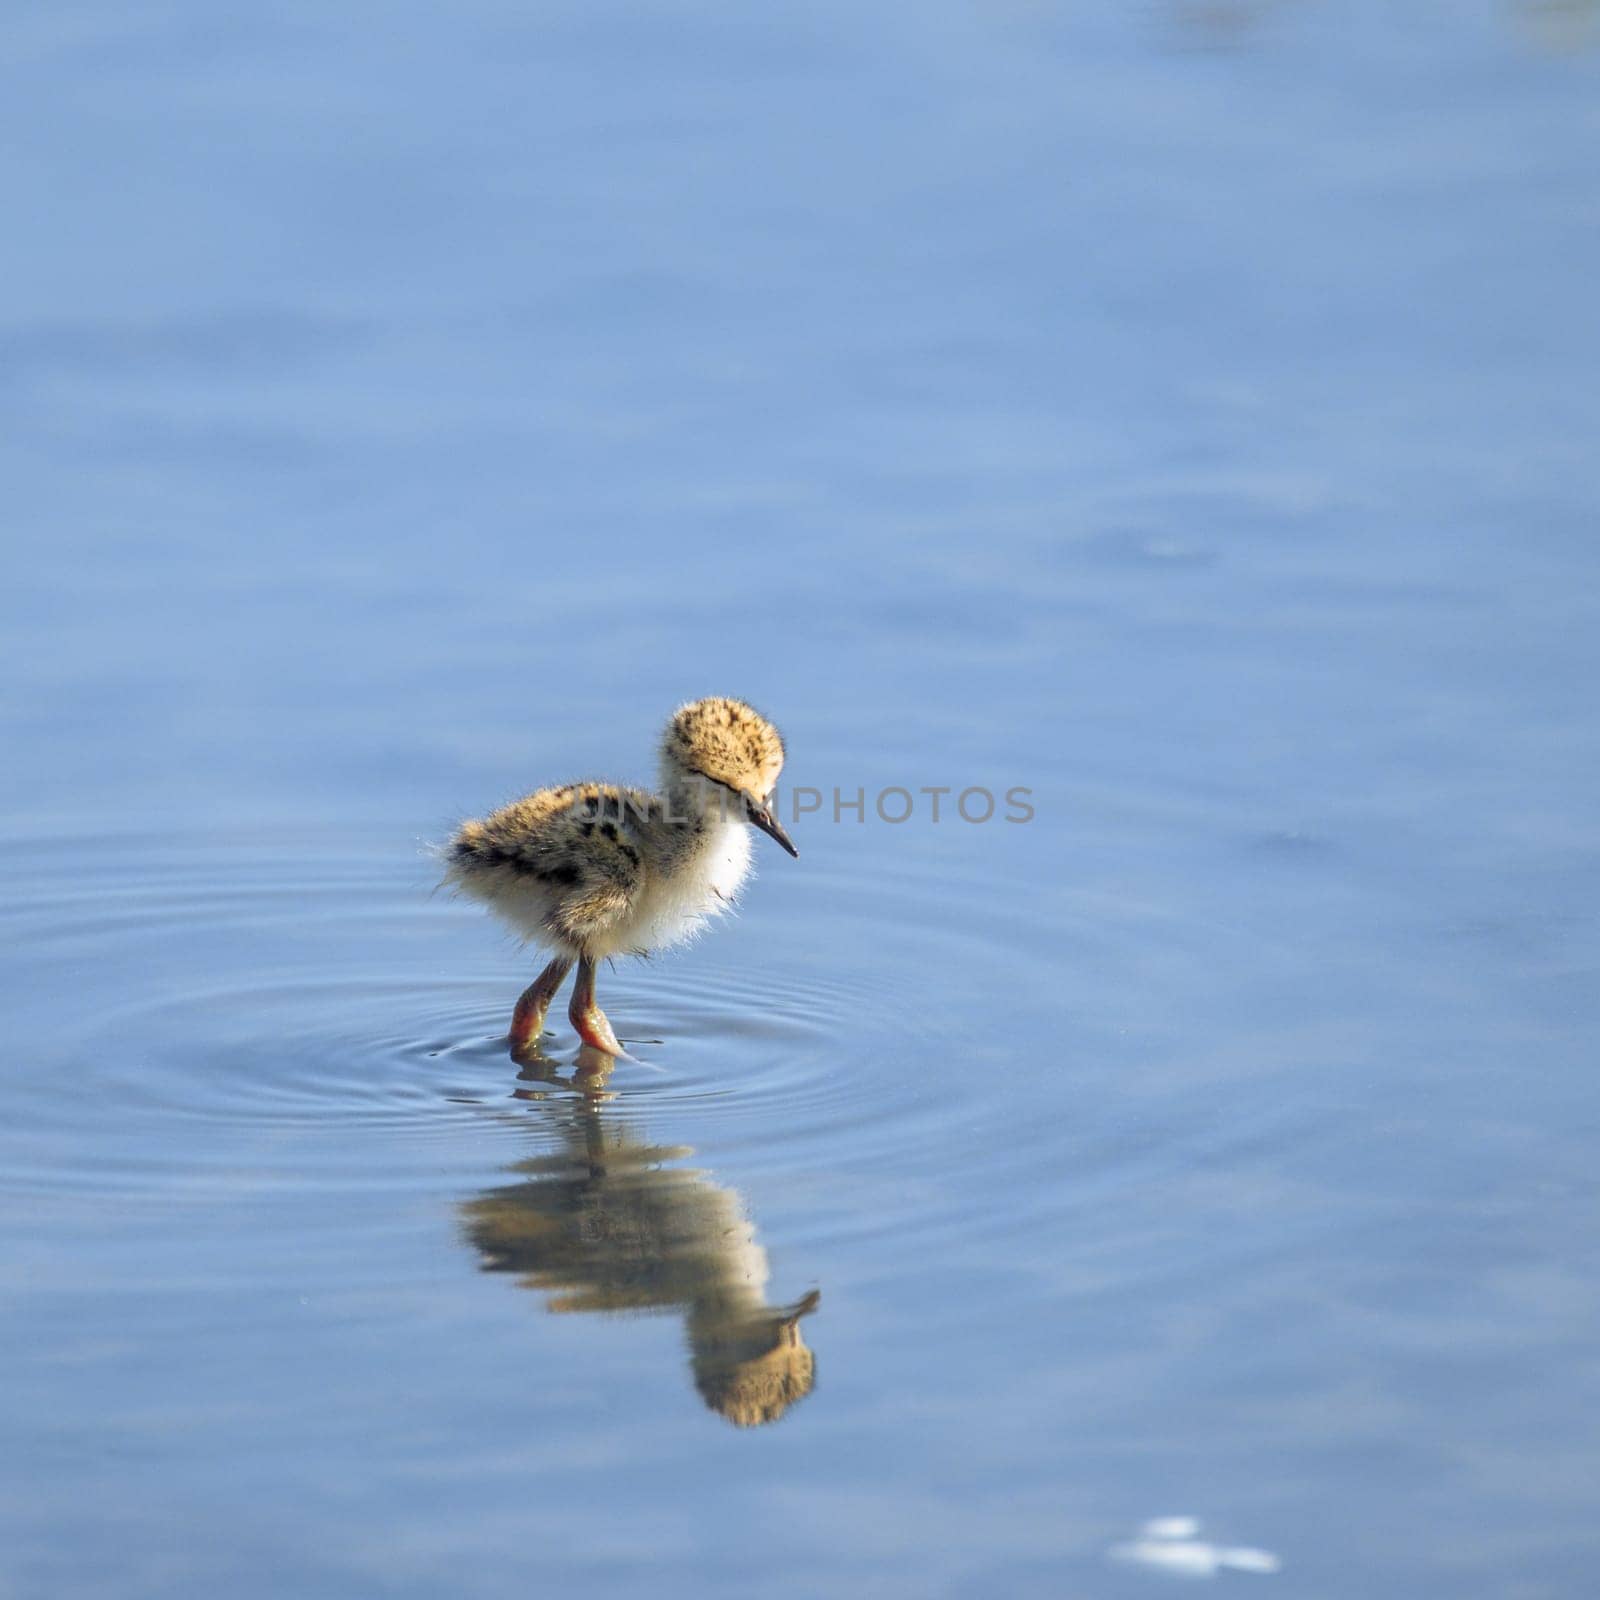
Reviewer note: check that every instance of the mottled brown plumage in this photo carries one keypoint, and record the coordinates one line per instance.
(591, 870)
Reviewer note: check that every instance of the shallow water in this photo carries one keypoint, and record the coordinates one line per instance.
(1185, 414)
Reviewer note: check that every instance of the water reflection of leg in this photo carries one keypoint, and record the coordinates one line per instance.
(592, 1069)
(587, 1078)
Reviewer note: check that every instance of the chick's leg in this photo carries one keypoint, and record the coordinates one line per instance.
(587, 1017)
(527, 1021)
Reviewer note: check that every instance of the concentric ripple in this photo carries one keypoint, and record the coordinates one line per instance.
(304, 1013)
(311, 1004)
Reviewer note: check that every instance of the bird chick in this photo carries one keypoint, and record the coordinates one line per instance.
(591, 870)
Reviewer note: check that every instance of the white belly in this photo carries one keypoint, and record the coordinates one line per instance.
(675, 908)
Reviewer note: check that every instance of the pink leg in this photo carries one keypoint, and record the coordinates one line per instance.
(587, 1017)
(527, 1021)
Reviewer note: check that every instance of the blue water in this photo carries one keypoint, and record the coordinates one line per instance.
(1185, 413)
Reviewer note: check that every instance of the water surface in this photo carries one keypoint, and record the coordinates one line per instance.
(1187, 415)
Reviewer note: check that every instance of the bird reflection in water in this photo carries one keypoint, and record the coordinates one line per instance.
(609, 1225)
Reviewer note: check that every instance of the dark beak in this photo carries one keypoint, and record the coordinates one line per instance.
(768, 824)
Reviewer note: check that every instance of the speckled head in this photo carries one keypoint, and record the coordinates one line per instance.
(729, 745)
(726, 741)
